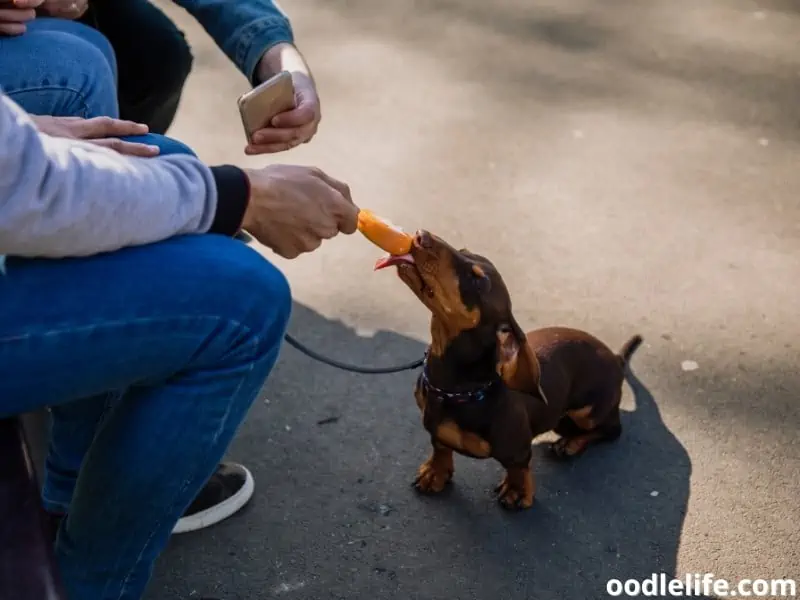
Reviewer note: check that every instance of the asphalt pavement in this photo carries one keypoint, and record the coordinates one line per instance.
(631, 167)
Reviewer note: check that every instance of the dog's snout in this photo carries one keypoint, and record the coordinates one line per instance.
(424, 239)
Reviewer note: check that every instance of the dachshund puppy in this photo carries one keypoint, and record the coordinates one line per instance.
(488, 388)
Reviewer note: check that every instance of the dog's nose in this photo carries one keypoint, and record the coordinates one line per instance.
(424, 239)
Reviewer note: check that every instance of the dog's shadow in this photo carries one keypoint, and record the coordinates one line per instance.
(335, 516)
(615, 512)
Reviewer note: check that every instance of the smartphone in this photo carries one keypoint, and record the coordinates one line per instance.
(259, 105)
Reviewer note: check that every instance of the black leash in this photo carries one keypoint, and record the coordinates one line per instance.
(245, 237)
(352, 368)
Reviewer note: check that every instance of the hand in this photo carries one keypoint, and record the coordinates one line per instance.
(292, 209)
(15, 13)
(101, 131)
(293, 127)
(65, 9)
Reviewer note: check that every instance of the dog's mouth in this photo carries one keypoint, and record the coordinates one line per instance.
(408, 270)
(393, 260)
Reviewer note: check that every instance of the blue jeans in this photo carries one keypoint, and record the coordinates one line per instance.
(60, 68)
(146, 385)
(170, 344)
(66, 69)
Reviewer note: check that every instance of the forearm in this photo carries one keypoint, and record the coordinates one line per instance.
(281, 57)
(60, 197)
(243, 29)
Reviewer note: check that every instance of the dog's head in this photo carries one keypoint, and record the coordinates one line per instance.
(472, 324)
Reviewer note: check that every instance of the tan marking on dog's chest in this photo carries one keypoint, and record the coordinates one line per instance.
(442, 333)
(452, 436)
(422, 401)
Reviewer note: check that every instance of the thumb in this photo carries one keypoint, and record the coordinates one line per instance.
(348, 218)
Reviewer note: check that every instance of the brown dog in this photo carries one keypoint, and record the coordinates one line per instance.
(487, 388)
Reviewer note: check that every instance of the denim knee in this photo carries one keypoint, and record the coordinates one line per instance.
(58, 71)
(240, 286)
(268, 287)
(79, 30)
(280, 291)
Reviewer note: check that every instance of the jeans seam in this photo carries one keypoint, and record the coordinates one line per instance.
(121, 322)
(53, 88)
(256, 342)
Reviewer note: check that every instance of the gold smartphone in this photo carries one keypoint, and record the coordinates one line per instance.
(259, 105)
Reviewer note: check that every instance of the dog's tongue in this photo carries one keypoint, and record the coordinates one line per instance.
(393, 260)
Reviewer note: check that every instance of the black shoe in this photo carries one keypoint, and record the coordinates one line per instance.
(229, 489)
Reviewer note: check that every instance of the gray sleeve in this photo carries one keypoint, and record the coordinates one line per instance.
(61, 197)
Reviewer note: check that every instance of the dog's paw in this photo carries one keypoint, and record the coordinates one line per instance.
(433, 475)
(564, 448)
(515, 492)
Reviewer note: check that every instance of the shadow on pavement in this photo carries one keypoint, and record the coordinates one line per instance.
(334, 515)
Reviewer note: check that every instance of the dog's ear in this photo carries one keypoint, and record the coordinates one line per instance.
(508, 347)
(516, 363)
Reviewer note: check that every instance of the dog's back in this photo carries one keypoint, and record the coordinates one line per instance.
(575, 366)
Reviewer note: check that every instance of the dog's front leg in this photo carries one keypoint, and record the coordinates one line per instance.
(511, 447)
(518, 487)
(436, 472)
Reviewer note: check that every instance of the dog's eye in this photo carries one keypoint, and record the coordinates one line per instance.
(480, 280)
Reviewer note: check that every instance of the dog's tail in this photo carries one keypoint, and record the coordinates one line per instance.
(628, 348)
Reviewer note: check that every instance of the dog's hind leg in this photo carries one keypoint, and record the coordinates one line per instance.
(583, 427)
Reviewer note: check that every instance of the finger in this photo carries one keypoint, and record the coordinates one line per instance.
(273, 135)
(16, 15)
(348, 218)
(102, 127)
(325, 229)
(302, 115)
(12, 28)
(327, 232)
(128, 148)
(304, 134)
(78, 9)
(252, 150)
(72, 12)
(288, 252)
(28, 3)
(311, 243)
(339, 186)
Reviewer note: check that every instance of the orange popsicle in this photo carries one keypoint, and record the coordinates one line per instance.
(383, 234)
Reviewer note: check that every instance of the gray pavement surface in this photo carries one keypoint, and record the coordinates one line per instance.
(630, 167)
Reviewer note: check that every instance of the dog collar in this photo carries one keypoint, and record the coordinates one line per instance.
(477, 394)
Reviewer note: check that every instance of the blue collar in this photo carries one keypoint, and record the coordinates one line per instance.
(477, 393)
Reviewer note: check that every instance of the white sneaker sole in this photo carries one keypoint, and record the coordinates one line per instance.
(220, 512)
